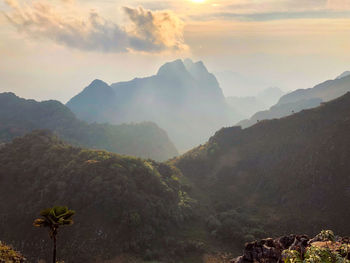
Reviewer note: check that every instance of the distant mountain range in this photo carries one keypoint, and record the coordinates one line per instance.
(303, 99)
(282, 175)
(183, 98)
(19, 116)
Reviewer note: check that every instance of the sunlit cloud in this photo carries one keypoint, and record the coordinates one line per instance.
(148, 31)
(264, 10)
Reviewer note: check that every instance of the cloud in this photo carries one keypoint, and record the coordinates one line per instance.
(148, 31)
(338, 4)
(277, 15)
(269, 10)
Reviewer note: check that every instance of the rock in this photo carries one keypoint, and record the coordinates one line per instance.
(270, 250)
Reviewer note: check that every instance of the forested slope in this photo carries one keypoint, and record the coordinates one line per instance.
(123, 204)
(278, 176)
(19, 116)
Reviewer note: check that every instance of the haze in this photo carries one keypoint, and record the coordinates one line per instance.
(52, 49)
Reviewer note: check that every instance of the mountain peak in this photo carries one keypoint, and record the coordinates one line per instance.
(343, 75)
(197, 68)
(176, 68)
(8, 95)
(97, 83)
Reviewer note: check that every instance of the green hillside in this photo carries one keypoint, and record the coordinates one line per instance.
(278, 176)
(19, 116)
(123, 204)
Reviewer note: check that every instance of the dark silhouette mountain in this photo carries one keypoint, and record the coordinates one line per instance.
(19, 116)
(123, 204)
(303, 99)
(284, 175)
(183, 98)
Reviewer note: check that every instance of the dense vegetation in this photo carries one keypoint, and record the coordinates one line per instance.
(324, 248)
(19, 116)
(278, 176)
(9, 255)
(123, 204)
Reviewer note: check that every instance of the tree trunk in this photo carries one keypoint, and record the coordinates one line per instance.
(54, 249)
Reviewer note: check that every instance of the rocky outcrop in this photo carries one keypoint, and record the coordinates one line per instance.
(270, 250)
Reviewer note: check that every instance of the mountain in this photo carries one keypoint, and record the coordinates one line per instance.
(279, 111)
(19, 116)
(277, 176)
(123, 204)
(183, 98)
(343, 75)
(325, 91)
(96, 98)
(303, 99)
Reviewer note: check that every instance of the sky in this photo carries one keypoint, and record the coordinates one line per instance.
(52, 49)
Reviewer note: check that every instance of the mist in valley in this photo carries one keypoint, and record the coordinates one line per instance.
(194, 131)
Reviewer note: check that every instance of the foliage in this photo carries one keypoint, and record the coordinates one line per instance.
(292, 256)
(315, 255)
(8, 255)
(234, 227)
(326, 235)
(53, 218)
(125, 204)
(329, 252)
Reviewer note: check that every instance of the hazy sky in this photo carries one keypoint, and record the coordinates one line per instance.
(51, 49)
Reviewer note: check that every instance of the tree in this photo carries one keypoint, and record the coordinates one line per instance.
(53, 218)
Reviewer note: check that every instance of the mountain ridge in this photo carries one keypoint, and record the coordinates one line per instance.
(281, 175)
(19, 116)
(300, 99)
(182, 98)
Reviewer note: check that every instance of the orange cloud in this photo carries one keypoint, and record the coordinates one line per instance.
(148, 31)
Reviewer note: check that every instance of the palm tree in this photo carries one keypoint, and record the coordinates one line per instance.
(53, 218)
